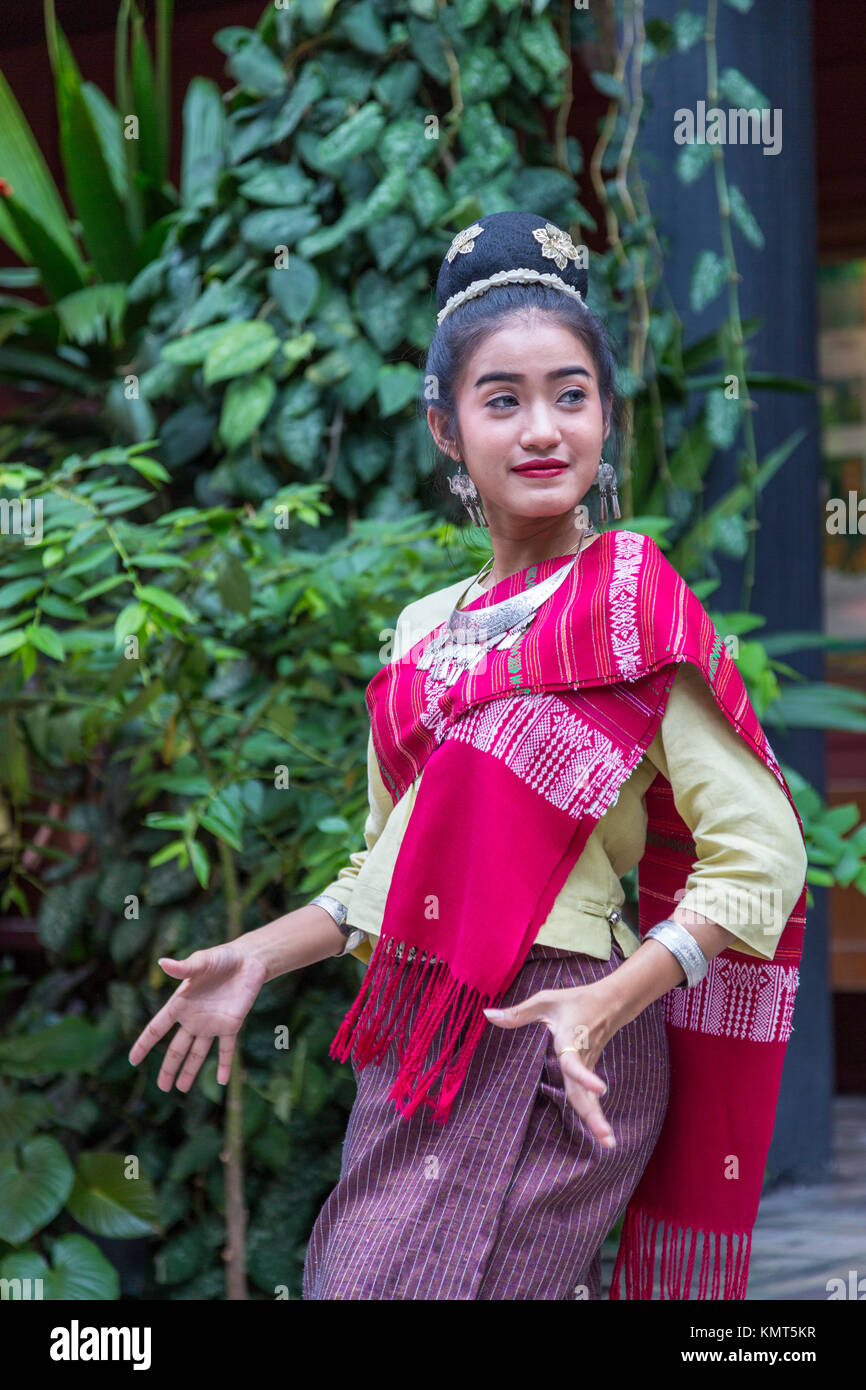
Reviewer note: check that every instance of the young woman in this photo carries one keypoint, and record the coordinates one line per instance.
(541, 1068)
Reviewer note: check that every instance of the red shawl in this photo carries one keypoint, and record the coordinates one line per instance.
(512, 789)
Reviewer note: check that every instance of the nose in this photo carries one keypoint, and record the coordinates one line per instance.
(540, 430)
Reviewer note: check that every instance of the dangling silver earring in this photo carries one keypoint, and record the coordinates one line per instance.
(463, 487)
(606, 482)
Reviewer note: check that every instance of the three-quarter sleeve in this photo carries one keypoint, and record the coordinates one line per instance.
(379, 808)
(752, 861)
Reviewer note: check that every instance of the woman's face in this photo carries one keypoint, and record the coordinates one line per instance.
(528, 392)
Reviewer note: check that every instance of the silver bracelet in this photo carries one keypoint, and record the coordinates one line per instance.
(354, 936)
(683, 945)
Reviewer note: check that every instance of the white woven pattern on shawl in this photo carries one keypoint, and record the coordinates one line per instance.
(624, 635)
(550, 748)
(431, 716)
(735, 1000)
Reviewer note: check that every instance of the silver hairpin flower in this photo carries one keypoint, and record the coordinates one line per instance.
(556, 244)
(464, 242)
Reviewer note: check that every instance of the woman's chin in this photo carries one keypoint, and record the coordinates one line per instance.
(545, 501)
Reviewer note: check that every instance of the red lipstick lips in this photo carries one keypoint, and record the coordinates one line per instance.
(541, 468)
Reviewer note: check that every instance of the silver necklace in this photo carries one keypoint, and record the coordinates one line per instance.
(468, 636)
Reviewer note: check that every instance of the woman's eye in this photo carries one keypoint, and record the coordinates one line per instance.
(504, 400)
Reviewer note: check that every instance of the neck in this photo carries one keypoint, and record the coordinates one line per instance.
(521, 557)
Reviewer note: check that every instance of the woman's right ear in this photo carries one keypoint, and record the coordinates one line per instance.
(436, 422)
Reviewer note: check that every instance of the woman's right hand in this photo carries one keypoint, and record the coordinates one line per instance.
(219, 988)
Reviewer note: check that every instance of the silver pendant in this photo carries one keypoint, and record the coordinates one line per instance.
(468, 636)
(447, 660)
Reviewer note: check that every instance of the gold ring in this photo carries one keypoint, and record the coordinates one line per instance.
(566, 1049)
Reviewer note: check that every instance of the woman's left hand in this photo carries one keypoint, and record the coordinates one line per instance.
(577, 1018)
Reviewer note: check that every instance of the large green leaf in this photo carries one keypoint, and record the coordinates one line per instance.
(80, 1271)
(278, 186)
(58, 273)
(108, 1202)
(295, 288)
(245, 405)
(362, 25)
(35, 1180)
(101, 213)
(192, 348)
(270, 228)
(71, 1045)
(26, 171)
(166, 601)
(125, 99)
(359, 133)
(151, 134)
(243, 347)
(487, 142)
(109, 128)
(540, 42)
(257, 68)
(308, 88)
(819, 705)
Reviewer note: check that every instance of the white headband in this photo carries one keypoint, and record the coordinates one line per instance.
(522, 275)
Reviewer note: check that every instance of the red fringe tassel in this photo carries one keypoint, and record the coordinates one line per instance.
(373, 1022)
(636, 1259)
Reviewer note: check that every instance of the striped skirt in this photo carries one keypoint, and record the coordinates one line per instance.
(510, 1199)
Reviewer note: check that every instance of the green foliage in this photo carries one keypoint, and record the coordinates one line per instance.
(77, 1270)
(229, 538)
(194, 655)
(115, 170)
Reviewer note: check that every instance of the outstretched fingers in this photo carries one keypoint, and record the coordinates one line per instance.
(178, 1048)
(555, 1007)
(582, 1088)
(191, 1067)
(153, 1031)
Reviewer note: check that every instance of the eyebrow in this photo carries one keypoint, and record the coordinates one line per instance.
(518, 376)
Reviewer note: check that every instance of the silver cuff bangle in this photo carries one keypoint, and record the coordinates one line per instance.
(682, 944)
(354, 936)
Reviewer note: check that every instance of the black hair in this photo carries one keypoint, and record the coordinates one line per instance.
(465, 328)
